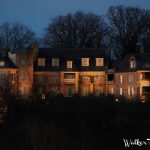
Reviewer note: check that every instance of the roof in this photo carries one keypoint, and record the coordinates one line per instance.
(142, 62)
(7, 63)
(70, 54)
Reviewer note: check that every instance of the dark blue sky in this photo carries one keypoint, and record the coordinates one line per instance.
(37, 13)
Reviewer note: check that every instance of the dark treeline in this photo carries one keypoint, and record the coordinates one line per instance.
(74, 123)
(123, 28)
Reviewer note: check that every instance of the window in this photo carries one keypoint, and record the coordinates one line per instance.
(121, 78)
(145, 75)
(132, 62)
(55, 62)
(112, 90)
(69, 64)
(85, 61)
(2, 63)
(13, 76)
(128, 90)
(85, 91)
(130, 78)
(132, 91)
(69, 75)
(99, 61)
(22, 90)
(120, 91)
(41, 61)
(110, 77)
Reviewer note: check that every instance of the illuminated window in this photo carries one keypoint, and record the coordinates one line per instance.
(121, 78)
(2, 63)
(41, 61)
(85, 91)
(85, 61)
(129, 91)
(132, 63)
(69, 75)
(130, 78)
(132, 91)
(120, 91)
(99, 61)
(112, 90)
(55, 62)
(22, 90)
(69, 64)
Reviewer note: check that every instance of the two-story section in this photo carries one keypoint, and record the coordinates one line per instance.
(70, 72)
(24, 63)
(8, 78)
(132, 77)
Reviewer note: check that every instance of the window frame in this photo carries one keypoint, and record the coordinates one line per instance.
(69, 64)
(85, 62)
(55, 62)
(41, 62)
(99, 62)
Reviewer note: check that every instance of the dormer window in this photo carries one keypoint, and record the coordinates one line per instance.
(85, 61)
(2, 63)
(69, 64)
(41, 61)
(99, 61)
(132, 63)
(55, 62)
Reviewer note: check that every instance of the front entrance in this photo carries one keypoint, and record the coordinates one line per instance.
(70, 89)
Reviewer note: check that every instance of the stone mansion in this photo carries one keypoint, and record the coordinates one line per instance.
(50, 71)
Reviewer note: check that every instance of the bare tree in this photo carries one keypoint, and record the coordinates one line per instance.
(22, 37)
(79, 30)
(16, 36)
(127, 24)
(5, 36)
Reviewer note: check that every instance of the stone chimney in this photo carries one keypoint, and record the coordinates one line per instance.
(35, 51)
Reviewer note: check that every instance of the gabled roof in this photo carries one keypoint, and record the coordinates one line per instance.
(70, 54)
(7, 63)
(142, 62)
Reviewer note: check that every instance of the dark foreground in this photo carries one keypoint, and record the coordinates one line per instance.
(75, 124)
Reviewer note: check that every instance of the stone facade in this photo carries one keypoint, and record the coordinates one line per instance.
(59, 71)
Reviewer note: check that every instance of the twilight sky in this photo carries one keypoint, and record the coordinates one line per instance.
(37, 13)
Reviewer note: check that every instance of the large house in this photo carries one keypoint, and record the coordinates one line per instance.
(132, 76)
(47, 71)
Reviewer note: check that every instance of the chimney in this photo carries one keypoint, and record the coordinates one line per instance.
(35, 50)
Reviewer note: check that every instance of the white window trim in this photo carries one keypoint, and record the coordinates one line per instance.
(112, 90)
(129, 93)
(2, 63)
(69, 64)
(85, 62)
(132, 63)
(99, 61)
(121, 91)
(121, 78)
(132, 90)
